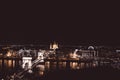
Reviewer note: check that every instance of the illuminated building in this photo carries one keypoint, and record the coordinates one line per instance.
(87, 53)
(8, 54)
(54, 46)
(24, 52)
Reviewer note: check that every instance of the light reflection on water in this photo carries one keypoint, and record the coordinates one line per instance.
(82, 65)
(53, 65)
(47, 65)
(0, 63)
(63, 65)
(73, 65)
(41, 69)
(8, 63)
(11, 64)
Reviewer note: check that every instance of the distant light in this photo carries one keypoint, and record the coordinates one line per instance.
(9, 54)
(30, 71)
(54, 46)
(76, 49)
(90, 47)
(117, 51)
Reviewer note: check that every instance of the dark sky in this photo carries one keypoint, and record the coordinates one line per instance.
(87, 25)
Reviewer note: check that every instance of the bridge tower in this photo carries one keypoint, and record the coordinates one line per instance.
(27, 62)
(41, 56)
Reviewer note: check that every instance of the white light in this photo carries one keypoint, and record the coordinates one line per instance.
(27, 60)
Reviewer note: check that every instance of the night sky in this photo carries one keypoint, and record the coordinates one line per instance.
(66, 25)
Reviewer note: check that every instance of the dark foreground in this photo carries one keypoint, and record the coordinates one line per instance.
(99, 73)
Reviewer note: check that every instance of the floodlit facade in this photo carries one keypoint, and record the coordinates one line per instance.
(54, 46)
(86, 53)
(27, 62)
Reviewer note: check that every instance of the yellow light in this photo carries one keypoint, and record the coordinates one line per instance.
(74, 55)
(9, 54)
(73, 65)
(10, 63)
(41, 73)
(54, 46)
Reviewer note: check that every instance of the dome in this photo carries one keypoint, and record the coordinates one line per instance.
(90, 47)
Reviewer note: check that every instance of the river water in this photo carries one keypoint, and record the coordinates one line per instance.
(8, 67)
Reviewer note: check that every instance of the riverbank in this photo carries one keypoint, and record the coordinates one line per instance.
(11, 58)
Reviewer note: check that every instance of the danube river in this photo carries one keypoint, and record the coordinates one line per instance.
(60, 70)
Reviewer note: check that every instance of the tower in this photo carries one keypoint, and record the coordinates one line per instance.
(54, 46)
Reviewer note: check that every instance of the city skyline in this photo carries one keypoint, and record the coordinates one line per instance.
(59, 40)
